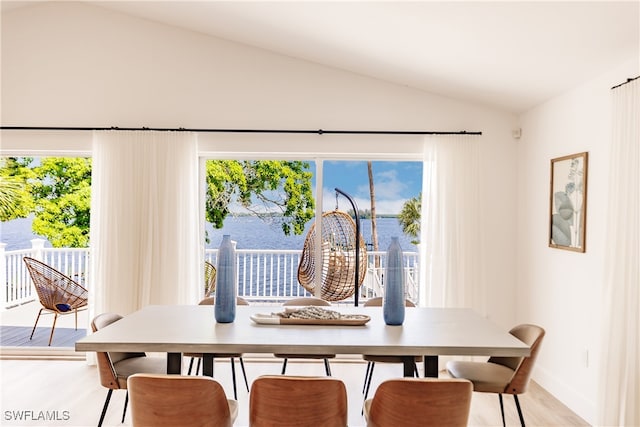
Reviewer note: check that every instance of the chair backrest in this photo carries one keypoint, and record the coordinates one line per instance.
(297, 401)
(106, 361)
(531, 335)
(377, 302)
(420, 402)
(209, 278)
(176, 400)
(56, 291)
(212, 301)
(307, 301)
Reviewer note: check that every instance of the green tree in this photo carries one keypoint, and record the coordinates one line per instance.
(262, 187)
(58, 192)
(15, 191)
(62, 193)
(362, 213)
(409, 218)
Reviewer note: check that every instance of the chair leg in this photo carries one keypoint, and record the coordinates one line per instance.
(284, 367)
(502, 409)
(368, 380)
(233, 374)
(366, 374)
(36, 324)
(190, 366)
(244, 374)
(515, 397)
(327, 368)
(198, 366)
(415, 370)
(104, 407)
(126, 401)
(55, 319)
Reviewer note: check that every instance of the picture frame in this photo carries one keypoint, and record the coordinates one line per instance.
(568, 202)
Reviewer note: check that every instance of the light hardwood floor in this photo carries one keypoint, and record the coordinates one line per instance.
(69, 390)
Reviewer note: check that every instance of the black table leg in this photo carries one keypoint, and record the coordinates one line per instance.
(409, 364)
(431, 366)
(207, 364)
(174, 363)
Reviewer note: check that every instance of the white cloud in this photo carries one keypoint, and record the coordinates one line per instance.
(384, 206)
(386, 185)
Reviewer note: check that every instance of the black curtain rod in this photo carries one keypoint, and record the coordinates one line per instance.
(301, 131)
(629, 80)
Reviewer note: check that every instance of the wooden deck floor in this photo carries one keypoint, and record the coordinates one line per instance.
(16, 324)
(18, 336)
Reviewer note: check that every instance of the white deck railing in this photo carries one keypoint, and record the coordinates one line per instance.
(263, 275)
(18, 289)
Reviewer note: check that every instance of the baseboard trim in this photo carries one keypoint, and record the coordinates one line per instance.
(570, 397)
(40, 353)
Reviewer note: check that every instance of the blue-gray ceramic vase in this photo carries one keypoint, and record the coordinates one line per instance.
(225, 304)
(393, 300)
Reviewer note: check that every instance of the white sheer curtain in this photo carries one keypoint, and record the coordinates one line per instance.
(145, 243)
(620, 368)
(450, 231)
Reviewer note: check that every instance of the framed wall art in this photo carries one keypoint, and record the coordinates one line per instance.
(568, 202)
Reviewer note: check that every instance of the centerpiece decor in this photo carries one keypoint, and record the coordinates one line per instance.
(225, 303)
(393, 300)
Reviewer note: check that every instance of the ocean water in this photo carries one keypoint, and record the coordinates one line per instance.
(17, 234)
(248, 232)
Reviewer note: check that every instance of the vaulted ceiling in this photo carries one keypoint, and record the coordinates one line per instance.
(511, 55)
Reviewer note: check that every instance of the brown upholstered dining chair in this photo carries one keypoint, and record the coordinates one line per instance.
(232, 356)
(115, 367)
(288, 401)
(373, 359)
(306, 301)
(422, 402)
(503, 375)
(176, 400)
(58, 293)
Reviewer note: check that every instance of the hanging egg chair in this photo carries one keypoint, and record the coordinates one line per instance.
(338, 258)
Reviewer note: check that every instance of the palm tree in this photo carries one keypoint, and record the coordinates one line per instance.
(409, 218)
(374, 225)
(10, 189)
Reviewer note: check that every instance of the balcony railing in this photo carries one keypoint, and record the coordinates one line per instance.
(263, 275)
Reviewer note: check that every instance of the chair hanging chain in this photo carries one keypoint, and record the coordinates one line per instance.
(337, 200)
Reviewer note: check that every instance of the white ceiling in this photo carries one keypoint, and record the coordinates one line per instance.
(510, 54)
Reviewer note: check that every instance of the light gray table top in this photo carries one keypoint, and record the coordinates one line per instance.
(426, 331)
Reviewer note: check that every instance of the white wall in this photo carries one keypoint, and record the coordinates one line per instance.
(558, 289)
(72, 64)
(76, 64)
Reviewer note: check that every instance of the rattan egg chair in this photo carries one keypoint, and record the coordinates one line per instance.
(338, 258)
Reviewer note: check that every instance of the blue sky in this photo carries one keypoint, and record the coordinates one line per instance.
(394, 182)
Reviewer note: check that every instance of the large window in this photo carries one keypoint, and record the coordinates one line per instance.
(333, 162)
(268, 244)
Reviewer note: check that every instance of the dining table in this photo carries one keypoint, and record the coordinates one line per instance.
(428, 332)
